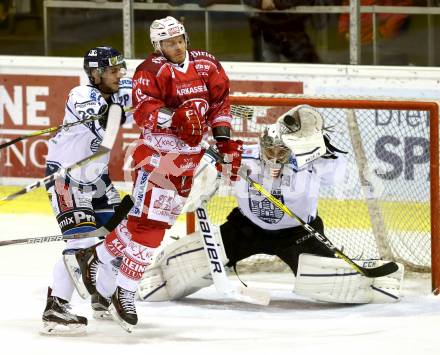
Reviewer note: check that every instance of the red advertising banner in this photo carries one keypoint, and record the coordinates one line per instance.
(30, 103)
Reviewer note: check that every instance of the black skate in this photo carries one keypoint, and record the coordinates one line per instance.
(123, 309)
(57, 320)
(87, 262)
(100, 306)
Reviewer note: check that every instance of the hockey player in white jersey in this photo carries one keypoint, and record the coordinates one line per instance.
(86, 198)
(293, 158)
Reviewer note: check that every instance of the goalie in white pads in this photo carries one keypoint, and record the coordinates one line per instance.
(293, 159)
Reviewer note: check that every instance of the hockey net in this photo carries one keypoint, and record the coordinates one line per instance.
(387, 207)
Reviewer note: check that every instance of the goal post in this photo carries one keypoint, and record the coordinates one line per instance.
(388, 206)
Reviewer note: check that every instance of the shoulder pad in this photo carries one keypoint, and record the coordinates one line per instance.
(152, 63)
(87, 100)
(199, 54)
(125, 83)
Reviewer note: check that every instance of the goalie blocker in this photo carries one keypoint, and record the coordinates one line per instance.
(181, 268)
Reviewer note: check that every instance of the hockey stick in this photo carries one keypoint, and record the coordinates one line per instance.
(120, 213)
(379, 271)
(50, 130)
(113, 123)
(218, 272)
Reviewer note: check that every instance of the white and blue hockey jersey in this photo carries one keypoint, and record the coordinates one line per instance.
(298, 190)
(71, 145)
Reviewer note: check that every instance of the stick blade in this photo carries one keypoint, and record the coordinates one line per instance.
(251, 295)
(113, 124)
(382, 270)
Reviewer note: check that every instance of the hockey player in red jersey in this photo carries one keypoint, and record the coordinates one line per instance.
(178, 95)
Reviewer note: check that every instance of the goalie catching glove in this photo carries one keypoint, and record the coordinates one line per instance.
(231, 151)
(188, 125)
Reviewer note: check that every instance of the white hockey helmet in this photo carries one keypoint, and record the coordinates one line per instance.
(165, 28)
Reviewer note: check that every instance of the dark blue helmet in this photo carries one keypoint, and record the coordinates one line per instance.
(100, 58)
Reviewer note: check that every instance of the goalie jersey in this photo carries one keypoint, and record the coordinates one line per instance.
(71, 145)
(298, 190)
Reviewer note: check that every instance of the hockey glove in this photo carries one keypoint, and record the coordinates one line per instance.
(233, 149)
(188, 125)
(103, 112)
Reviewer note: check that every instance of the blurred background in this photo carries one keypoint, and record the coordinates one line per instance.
(382, 32)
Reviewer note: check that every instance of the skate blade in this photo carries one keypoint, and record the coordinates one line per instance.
(102, 315)
(56, 329)
(72, 266)
(124, 325)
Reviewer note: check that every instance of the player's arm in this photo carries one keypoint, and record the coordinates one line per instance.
(219, 119)
(147, 99)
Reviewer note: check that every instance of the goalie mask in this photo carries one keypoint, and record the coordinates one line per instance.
(166, 28)
(274, 152)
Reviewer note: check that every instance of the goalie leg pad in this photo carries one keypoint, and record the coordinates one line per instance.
(333, 280)
(386, 289)
(178, 269)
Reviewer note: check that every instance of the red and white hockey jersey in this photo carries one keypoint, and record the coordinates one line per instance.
(199, 82)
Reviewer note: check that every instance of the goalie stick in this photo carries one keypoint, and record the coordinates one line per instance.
(379, 271)
(111, 131)
(51, 129)
(218, 272)
(120, 213)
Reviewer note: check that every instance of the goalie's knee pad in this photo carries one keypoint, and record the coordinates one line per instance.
(333, 280)
(178, 269)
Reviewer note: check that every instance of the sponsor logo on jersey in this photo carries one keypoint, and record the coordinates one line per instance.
(158, 60)
(202, 53)
(141, 81)
(168, 143)
(263, 208)
(74, 219)
(192, 90)
(139, 193)
(86, 105)
(201, 105)
(204, 67)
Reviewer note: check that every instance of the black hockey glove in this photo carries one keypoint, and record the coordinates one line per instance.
(331, 149)
(103, 112)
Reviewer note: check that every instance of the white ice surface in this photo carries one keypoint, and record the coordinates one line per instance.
(204, 323)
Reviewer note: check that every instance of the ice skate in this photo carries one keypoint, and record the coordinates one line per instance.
(57, 320)
(87, 262)
(123, 309)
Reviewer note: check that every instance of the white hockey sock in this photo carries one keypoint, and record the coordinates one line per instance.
(62, 285)
(136, 258)
(106, 280)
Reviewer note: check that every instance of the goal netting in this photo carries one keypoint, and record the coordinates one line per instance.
(387, 207)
